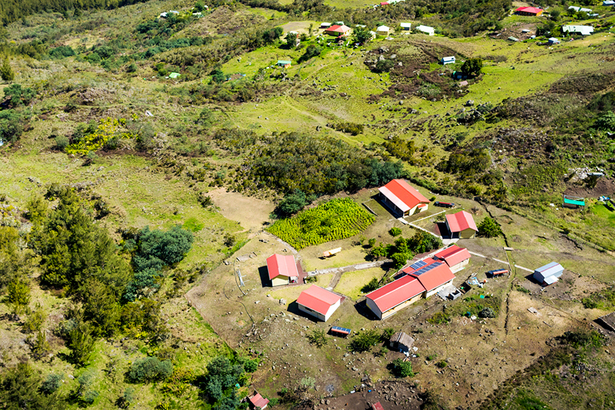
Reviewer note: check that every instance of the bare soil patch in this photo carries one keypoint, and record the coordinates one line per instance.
(250, 212)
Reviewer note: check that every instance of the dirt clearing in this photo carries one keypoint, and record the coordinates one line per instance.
(250, 212)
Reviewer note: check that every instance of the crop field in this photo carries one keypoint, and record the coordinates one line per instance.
(333, 220)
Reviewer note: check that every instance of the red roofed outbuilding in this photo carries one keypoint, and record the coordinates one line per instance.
(402, 199)
(377, 406)
(529, 11)
(282, 269)
(338, 30)
(319, 302)
(455, 257)
(461, 225)
(258, 401)
(394, 296)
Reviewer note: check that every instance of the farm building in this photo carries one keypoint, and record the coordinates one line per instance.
(282, 269)
(402, 199)
(258, 401)
(319, 302)
(548, 274)
(406, 26)
(401, 342)
(284, 63)
(528, 11)
(573, 202)
(325, 25)
(383, 31)
(393, 297)
(377, 406)
(582, 30)
(455, 257)
(553, 40)
(432, 274)
(337, 30)
(461, 225)
(608, 3)
(448, 60)
(426, 30)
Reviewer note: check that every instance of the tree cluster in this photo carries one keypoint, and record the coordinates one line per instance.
(404, 249)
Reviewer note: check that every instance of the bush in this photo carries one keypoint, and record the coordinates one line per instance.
(310, 51)
(395, 231)
(589, 303)
(439, 319)
(19, 95)
(318, 338)
(61, 142)
(399, 368)
(387, 334)
(11, 126)
(364, 341)
(51, 384)
(486, 313)
(150, 369)
(489, 228)
(441, 364)
(371, 286)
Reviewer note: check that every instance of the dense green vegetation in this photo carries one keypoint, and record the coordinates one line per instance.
(336, 219)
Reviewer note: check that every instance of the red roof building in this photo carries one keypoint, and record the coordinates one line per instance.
(377, 406)
(402, 199)
(337, 30)
(394, 296)
(455, 257)
(432, 274)
(529, 11)
(319, 302)
(461, 225)
(258, 401)
(282, 269)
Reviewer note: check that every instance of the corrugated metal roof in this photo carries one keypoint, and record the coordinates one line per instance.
(550, 280)
(258, 401)
(281, 265)
(550, 269)
(318, 299)
(432, 275)
(578, 202)
(532, 10)
(396, 292)
(453, 255)
(404, 196)
(461, 221)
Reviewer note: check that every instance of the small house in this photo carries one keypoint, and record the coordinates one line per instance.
(402, 199)
(337, 30)
(282, 269)
(383, 31)
(325, 25)
(548, 274)
(461, 225)
(573, 202)
(284, 63)
(582, 30)
(455, 257)
(406, 26)
(401, 342)
(448, 60)
(430, 31)
(319, 302)
(258, 402)
(529, 11)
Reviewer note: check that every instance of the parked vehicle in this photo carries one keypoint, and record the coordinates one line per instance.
(444, 204)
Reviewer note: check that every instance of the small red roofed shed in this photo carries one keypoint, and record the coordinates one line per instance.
(394, 296)
(402, 199)
(258, 401)
(319, 302)
(529, 11)
(337, 30)
(377, 406)
(461, 225)
(281, 269)
(455, 257)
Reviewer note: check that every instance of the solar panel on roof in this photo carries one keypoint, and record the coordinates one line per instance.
(426, 268)
(417, 265)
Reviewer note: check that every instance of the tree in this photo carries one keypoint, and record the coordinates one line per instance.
(364, 341)
(39, 345)
(292, 203)
(18, 297)
(361, 35)
(394, 231)
(311, 51)
(606, 122)
(317, 338)
(472, 67)
(291, 40)
(81, 343)
(6, 72)
(399, 259)
(489, 228)
(150, 369)
(399, 368)
(19, 95)
(19, 389)
(51, 384)
(371, 286)
(35, 320)
(11, 126)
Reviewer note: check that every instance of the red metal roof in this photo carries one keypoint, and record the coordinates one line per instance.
(396, 292)
(453, 255)
(281, 265)
(384, 3)
(258, 401)
(338, 29)
(532, 10)
(377, 406)
(402, 191)
(429, 275)
(460, 221)
(318, 299)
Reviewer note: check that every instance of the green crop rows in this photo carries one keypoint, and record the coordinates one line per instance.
(336, 219)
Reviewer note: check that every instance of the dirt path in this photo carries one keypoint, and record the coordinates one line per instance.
(350, 268)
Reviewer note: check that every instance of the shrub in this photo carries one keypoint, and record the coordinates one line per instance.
(11, 126)
(51, 384)
(310, 51)
(439, 319)
(399, 368)
(364, 341)
(395, 231)
(487, 313)
(441, 364)
(6, 72)
(371, 286)
(589, 303)
(387, 334)
(61, 142)
(489, 228)
(318, 338)
(150, 369)
(19, 95)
